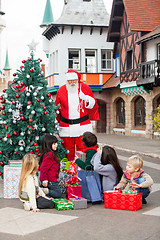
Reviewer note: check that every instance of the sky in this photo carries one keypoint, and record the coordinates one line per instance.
(23, 20)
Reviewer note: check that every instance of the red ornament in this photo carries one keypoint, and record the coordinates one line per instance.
(35, 144)
(15, 133)
(15, 153)
(2, 107)
(23, 61)
(44, 108)
(18, 86)
(1, 163)
(14, 102)
(29, 59)
(49, 95)
(14, 81)
(4, 113)
(31, 70)
(39, 154)
(21, 66)
(14, 74)
(38, 100)
(30, 120)
(17, 96)
(32, 128)
(31, 152)
(37, 149)
(29, 103)
(0, 173)
(3, 101)
(40, 60)
(1, 97)
(22, 84)
(22, 118)
(4, 90)
(0, 152)
(45, 112)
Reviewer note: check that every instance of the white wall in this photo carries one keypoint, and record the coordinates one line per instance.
(60, 44)
(152, 49)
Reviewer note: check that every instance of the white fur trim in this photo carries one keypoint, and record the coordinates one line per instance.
(71, 76)
(74, 130)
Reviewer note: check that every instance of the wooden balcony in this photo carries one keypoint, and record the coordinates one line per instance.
(149, 73)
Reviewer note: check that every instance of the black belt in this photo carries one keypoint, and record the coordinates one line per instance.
(74, 121)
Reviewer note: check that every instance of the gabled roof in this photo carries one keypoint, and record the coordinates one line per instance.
(78, 12)
(112, 82)
(143, 15)
(152, 35)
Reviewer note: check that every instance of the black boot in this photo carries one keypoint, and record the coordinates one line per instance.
(144, 201)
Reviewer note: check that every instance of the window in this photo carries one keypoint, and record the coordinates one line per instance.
(120, 112)
(90, 61)
(74, 59)
(158, 51)
(106, 59)
(140, 112)
(129, 60)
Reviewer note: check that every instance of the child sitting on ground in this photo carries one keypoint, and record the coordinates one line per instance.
(29, 191)
(49, 166)
(90, 148)
(136, 177)
(106, 163)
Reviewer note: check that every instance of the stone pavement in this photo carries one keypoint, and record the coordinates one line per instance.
(143, 146)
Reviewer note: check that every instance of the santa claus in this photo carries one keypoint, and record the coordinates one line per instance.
(77, 108)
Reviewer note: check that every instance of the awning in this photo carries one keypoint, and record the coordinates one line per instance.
(134, 90)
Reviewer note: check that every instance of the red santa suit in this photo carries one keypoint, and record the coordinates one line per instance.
(75, 112)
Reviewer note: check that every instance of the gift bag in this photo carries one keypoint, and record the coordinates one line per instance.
(91, 185)
(64, 176)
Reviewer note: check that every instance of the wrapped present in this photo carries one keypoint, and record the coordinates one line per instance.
(79, 203)
(63, 204)
(123, 201)
(73, 191)
(81, 155)
(72, 168)
(11, 181)
(15, 163)
(73, 188)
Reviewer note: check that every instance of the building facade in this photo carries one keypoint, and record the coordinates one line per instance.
(134, 102)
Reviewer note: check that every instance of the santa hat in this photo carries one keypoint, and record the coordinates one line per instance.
(73, 75)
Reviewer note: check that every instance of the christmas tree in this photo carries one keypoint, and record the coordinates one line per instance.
(28, 112)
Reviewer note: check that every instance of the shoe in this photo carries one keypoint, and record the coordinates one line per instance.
(144, 201)
(45, 190)
(26, 206)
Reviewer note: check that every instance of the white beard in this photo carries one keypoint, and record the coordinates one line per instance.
(72, 88)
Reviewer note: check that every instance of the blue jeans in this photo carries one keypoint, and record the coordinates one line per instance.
(144, 191)
(54, 190)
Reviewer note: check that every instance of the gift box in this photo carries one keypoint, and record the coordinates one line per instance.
(15, 163)
(74, 191)
(63, 204)
(79, 203)
(73, 188)
(81, 155)
(123, 201)
(11, 181)
(72, 169)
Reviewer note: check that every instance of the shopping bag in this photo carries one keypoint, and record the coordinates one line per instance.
(91, 185)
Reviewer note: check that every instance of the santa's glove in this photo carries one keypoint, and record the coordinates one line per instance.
(82, 96)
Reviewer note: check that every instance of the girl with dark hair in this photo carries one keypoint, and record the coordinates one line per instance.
(90, 148)
(106, 163)
(49, 166)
